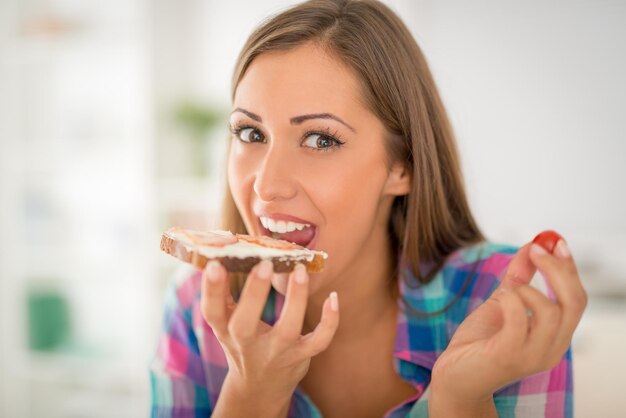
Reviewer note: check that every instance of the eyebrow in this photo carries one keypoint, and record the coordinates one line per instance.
(251, 115)
(297, 120)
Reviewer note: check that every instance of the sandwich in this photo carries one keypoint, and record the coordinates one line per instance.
(238, 253)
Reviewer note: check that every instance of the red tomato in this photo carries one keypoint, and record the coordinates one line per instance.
(548, 239)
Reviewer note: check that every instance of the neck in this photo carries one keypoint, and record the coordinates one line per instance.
(367, 293)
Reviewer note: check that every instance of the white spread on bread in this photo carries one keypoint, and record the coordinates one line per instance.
(215, 238)
(238, 248)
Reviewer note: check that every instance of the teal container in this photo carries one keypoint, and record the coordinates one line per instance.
(48, 320)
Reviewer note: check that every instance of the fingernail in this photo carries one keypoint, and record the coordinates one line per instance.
(334, 301)
(300, 273)
(537, 249)
(213, 270)
(561, 249)
(265, 270)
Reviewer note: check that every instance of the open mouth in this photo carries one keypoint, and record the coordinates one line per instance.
(301, 234)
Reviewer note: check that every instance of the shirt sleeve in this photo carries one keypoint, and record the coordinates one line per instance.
(177, 377)
(545, 394)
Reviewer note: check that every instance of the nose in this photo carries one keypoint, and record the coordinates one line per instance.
(275, 176)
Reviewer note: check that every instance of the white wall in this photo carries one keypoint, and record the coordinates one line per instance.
(536, 93)
(76, 192)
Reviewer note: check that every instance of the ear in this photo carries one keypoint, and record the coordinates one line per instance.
(398, 181)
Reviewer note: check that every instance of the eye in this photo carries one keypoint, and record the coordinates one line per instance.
(249, 134)
(321, 142)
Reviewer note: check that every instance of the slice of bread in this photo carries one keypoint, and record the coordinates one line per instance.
(238, 253)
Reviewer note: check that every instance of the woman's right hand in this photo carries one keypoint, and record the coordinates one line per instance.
(266, 361)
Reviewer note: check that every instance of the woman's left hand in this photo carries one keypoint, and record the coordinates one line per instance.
(517, 331)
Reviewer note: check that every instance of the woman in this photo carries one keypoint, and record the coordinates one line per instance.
(337, 124)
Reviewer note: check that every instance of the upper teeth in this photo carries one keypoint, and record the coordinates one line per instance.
(281, 226)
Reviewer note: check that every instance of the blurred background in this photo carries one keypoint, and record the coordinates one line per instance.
(112, 128)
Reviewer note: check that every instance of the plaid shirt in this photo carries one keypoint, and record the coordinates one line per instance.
(190, 366)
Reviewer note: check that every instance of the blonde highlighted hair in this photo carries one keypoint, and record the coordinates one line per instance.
(434, 219)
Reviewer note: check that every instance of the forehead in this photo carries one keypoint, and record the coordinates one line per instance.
(302, 79)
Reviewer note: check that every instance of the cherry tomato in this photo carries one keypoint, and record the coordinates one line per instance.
(548, 239)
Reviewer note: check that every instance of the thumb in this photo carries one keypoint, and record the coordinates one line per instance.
(520, 270)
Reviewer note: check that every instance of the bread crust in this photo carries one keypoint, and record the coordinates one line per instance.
(282, 264)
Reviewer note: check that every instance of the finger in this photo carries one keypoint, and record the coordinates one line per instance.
(215, 291)
(512, 336)
(520, 269)
(279, 282)
(289, 326)
(564, 280)
(244, 321)
(544, 322)
(319, 339)
(230, 303)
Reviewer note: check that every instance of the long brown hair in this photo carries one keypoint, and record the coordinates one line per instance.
(434, 219)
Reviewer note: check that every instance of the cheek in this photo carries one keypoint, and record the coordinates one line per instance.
(234, 175)
(351, 201)
(238, 175)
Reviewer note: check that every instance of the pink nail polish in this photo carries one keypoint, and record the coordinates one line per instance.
(334, 301)
(538, 250)
(300, 273)
(562, 250)
(213, 270)
(265, 269)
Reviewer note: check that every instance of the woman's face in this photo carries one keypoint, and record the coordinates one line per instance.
(305, 149)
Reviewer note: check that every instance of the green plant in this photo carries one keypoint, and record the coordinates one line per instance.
(198, 120)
